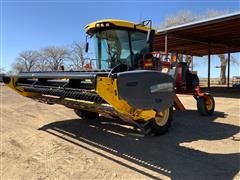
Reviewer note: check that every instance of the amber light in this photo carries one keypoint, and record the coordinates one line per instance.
(174, 58)
(148, 63)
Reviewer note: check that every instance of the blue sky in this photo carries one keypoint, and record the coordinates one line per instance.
(36, 24)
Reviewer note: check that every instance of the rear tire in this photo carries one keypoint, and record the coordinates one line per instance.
(161, 123)
(86, 114)
(206, 105)
(192, 81)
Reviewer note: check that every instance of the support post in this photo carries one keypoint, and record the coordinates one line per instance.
(166, 44)
(209, 64)
(192, 63)
(228, 64)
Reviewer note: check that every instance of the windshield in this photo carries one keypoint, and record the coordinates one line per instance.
(113, 47)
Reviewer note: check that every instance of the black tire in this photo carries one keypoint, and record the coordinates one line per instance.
(192, 81)
(86, 114)
(155, 128)
(206, 106)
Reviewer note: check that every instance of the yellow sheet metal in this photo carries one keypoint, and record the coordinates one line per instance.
(107, 89)
(115, 22)
(19, 90)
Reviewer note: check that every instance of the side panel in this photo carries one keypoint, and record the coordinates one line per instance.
(107, 89)
(146, 89)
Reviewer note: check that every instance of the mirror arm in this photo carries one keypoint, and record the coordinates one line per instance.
(87, 44)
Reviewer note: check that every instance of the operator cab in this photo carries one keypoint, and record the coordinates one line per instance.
(122, 45)
(118, 42)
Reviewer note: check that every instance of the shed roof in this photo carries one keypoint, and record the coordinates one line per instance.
(221, 34)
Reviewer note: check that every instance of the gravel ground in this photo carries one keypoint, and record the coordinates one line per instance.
(40, 141)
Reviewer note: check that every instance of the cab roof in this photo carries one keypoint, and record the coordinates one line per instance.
(90, 28)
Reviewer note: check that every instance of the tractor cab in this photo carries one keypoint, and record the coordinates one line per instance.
(129, 45)
(118, 42)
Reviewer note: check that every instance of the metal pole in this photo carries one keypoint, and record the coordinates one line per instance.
(192, 63)
(228, 64)
(166, 44)
(209, 58)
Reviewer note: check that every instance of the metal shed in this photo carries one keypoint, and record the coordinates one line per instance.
(216, 35)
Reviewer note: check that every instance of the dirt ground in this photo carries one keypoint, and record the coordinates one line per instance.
(40, 141)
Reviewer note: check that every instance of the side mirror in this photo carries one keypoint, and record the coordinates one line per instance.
(150, 35)
(86, 47)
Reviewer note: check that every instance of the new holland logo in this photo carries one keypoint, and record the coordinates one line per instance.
(163, 87)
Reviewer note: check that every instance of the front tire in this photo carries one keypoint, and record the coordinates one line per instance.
(86, 114)
(192, 81)
(161, 123)
(206, 105)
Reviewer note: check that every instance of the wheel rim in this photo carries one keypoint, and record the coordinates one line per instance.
(209, 104)
(161, 118)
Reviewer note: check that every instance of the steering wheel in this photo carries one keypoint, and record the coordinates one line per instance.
(117, 69)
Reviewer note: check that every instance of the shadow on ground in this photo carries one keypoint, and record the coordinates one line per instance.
(223, 92)
(162, 154)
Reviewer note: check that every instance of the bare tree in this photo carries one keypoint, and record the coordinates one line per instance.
(18, 67)
(186, 16)
(55, 57)
(77, 56)
(42, 64)
(182, 17)
(26, 61)
(223, 62)
(212, 13)
(223, 66)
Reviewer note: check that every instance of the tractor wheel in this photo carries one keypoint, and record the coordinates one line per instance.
(161, 123)
(192, 81)
(86, 114)
(206, 105)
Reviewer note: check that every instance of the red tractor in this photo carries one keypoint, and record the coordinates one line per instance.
(185, 81)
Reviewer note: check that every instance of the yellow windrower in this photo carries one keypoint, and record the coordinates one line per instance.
(91, 93)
